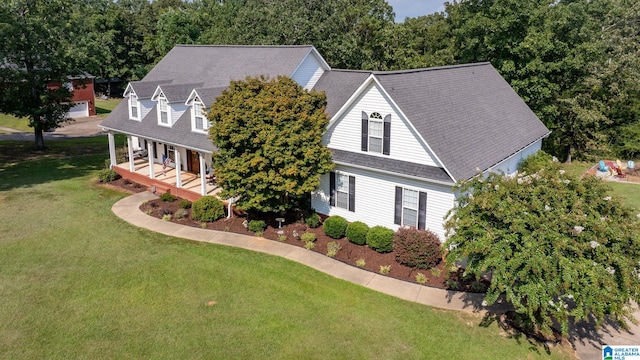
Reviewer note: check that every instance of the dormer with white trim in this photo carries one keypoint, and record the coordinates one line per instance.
(138, 94)
(171, 103)
(199, 100)
(163, 109)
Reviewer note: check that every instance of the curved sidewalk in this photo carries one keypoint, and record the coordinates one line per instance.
(128, 210)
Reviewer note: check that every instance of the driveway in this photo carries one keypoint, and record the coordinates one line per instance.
(81, 127)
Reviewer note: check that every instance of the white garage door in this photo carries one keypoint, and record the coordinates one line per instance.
(81, 109)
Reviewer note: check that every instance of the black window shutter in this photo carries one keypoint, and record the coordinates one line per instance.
(398, 212)
(422, 210)
(165, 150)
(386, 139)
(332, 188)
(352, 193)
(365, 131)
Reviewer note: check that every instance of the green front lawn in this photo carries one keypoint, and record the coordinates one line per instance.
(77, 282)
(104, 107)
(13, 122)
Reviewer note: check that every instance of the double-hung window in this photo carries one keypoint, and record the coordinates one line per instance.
(410, 208)
(164, 110)
(198, 116)
(342, 191)
(133, 106)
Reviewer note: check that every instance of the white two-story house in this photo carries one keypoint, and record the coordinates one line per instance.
(400, 139)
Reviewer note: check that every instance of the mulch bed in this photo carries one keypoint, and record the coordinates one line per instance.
(349, 254)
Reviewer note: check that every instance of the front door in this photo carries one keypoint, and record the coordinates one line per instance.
(193, 161)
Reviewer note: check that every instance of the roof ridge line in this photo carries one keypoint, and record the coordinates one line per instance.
(435, 68)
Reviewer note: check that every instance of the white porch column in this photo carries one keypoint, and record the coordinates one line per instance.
(152, 155)
(178, 168)
(203, 175)
(132, 168)
(112, 150)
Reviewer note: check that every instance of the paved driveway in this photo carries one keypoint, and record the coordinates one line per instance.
(81, 127)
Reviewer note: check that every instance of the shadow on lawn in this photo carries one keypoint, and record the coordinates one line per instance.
(23, 166)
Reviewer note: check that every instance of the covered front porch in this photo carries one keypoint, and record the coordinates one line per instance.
(165, 167)
(166, 179)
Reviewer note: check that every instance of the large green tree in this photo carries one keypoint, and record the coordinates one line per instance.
(36, 58)
(557, 247)
(269, 138)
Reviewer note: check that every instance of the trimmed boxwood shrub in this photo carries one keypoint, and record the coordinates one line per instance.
(380, 239)
(335, 227)
(417, 248)
(207, 209)
(313, 220)
(257, 225)
(357, 232)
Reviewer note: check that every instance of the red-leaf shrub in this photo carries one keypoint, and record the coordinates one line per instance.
(417, 248)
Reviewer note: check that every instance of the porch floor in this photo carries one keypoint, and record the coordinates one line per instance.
(167, 179)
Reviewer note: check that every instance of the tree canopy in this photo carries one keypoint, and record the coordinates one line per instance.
(269, 138)
(36, 58)
(557, 247)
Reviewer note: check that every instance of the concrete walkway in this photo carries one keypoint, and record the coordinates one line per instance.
(586, 339)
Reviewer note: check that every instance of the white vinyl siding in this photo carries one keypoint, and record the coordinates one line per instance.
(145, 107)
(510, 165)
(346, 132)
(308, 72)
(375, 194)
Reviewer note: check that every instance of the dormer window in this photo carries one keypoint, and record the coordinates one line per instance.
(163, 110)
(133, 107)
(376, 133)
(199, 121)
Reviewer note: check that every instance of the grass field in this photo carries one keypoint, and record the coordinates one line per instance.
(77, 282)
(104, 107)
(13, 122)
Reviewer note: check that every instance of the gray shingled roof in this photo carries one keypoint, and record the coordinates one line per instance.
(178, 92)
(145, 89)
(390, 165)
(468, 114)
(217, 65)
(209, 95)
(339, 85)
(180, 134)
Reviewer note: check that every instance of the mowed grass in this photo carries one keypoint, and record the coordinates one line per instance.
(627, 193)
(13, 122)
(77, 282)
(104, 107)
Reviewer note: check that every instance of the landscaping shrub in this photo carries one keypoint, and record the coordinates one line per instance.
(184, 204)
(167, 197)
(313, 220)
(207, 209)
(181, 214)
(335, 227)
(257, 226)
(380, 239)
(417, 248)
(107, 175)
(333, 248)
(357, 232)
(308, 237)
